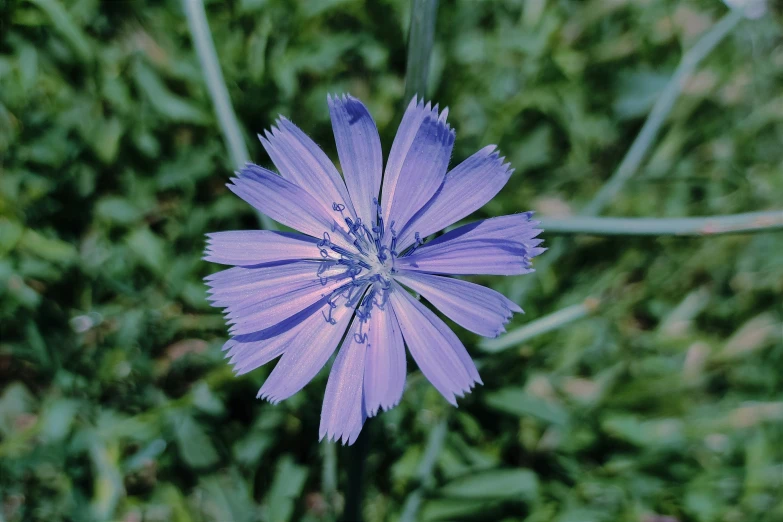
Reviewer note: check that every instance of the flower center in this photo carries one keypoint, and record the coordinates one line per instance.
(370, 265)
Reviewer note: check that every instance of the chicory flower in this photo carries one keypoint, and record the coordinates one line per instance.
(345, 279)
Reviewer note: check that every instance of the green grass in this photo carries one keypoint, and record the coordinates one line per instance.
(115, 403)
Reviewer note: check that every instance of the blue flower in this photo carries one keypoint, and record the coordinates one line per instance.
(344, 278)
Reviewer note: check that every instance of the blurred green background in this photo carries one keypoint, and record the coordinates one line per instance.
(115, 404)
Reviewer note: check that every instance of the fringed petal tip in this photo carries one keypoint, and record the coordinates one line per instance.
(344, 438)
(242, 172)
(530, 239)
(509, 315)
(383, 407)
(443, 132)
(512, 309)
(419, 103)
(344, 97)
(463, 392)
(266, 396)
(346, 433)
(210, 254)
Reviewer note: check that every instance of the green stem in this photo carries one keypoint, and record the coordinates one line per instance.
(689, 226)
(640, 146)
(420, 39)
(329, 476)
(216, 85)
(354, 494)
(425, 472)
(540, 326)
(660, 111)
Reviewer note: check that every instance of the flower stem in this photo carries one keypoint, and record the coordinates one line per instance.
(329, 477)
(644, 140)
(540, 326)
(426, 469)
(660, 111)
(689, 226)
(354, 494)
(216, 85)
(420, 39)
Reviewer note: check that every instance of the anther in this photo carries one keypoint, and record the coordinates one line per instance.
(417, 244)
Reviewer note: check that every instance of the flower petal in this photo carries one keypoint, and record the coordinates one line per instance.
(287, 203)
(474, 307)
(359, 148)
(246, 357)
(342, 415)
(307, 353)
(384, 367)
(422, 171)
(301, 161)
(258, 298)
(466, 188)
(256, 247)
(501, 246)
(250, 351)
(436, 349)
(414, 115)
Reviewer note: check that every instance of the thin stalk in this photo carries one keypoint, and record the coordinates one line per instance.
(644, 140)
(420, 39)
(540, 326)
(690, 226)
(424, 474)
(329, 477)
(216, 85)
(354, 494)
(660, 111)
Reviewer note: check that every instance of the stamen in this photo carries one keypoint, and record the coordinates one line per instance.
(378, 229)
(353, 295)
(371, 264)
(343, 252)
(394, 238)
(417, 244)
(324, 244)
(321, 269)
(332, 305)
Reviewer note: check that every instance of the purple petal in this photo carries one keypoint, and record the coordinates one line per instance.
(343, 414)
(501, 246)
(384, 367)
(307, 353)
(287, 203)
(481, 310)
(436, 349)
(256, 247)
(466, 188)
(359, 148)
(250, 351)
(422, 171)
(246, 357)
(258, 298)
(303, 163)
(406, 133)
